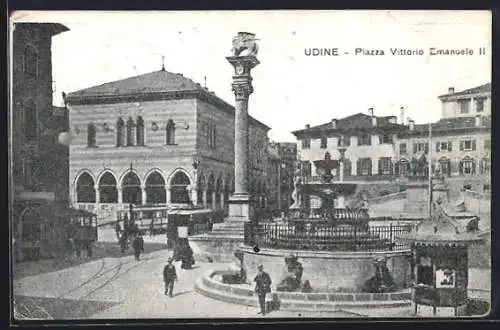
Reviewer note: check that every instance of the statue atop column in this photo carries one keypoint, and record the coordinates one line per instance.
(244, 44)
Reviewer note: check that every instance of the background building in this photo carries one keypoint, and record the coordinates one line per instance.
(369, 141)
(378, 148)
(157, 138)
(39, 163)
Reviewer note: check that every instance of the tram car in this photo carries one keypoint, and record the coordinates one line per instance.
(43, 230)
(191, 219)
(149, 219)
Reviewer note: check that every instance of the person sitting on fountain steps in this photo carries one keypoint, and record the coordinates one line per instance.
(293, 279)
(382, 281)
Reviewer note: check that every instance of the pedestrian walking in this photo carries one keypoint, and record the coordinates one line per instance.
(169, 277)
(138, 245)
(262, 288)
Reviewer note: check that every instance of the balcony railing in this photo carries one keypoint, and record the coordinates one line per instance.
(325, 236)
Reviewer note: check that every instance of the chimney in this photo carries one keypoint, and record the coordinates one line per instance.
(412, 124)
(334, 123)
(451, 90)
(402, 110)
(478, 120)
(370, 111)
(374, 121)
(308, 126)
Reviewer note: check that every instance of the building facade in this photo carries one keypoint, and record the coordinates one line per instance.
(39, 164)
(380, 149)
(157, 138)
(369, 142)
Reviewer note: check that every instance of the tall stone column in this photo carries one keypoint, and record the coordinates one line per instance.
(243, 60)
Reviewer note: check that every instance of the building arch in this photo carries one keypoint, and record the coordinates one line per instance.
(108, 191)
(155, 188)
(85, 188)
(179, 184)
(174, 172)
(131, 188)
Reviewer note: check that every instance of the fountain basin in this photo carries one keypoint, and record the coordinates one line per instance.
(330, 271)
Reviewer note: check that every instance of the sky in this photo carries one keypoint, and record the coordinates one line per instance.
(290, 88)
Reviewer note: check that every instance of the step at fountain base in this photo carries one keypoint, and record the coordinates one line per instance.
(297, 301)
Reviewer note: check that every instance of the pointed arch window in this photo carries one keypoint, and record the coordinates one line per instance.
(178, 188)
(91, 132)
(131, 189)
(30, 121)
(85, 192)
(155, 189)
(139, 132)
(130, 132)
(120, 133)
(170, 132)
(30, 60)
(107, 189)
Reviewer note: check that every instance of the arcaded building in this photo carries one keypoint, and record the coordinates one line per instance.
(157, 138)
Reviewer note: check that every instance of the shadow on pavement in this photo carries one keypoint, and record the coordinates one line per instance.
(100, 250)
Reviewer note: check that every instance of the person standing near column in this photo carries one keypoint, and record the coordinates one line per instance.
(262, 287)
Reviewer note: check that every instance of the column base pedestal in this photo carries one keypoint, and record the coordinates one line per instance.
(240, 208)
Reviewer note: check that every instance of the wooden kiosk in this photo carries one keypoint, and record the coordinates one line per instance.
(440, 264)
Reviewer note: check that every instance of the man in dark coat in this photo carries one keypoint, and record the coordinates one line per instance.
(169, 277)
(262, 287)
(138, 245)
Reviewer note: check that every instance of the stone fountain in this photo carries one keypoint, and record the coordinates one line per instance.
(336, 246)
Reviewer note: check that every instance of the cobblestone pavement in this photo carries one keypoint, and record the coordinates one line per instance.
(126, 289)
(123, 288)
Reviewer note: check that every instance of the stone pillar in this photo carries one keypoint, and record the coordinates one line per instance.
(205, 198)
(194, 195)
(214, 201)
(120, 195)
(222, 201)
(97, 195)
(167, 195)
(144, 196)
(239, 203)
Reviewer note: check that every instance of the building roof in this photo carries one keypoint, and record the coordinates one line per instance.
(52, 28)
(486, 88)
(158, 81)
(148, 84)
(447, 124)
(356, 121)
(442, 229)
